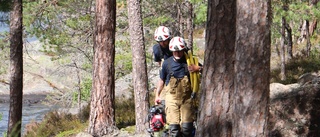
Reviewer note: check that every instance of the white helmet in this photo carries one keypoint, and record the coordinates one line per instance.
(162, 33)
(177, 44)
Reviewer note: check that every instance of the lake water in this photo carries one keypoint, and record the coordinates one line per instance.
(5, 28)
(30, 112)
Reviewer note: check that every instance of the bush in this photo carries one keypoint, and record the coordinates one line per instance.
(125, 112)
(55, 123)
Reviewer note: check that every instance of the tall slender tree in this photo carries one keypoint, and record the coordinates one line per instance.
(308, 46)
(252, 68)
(218, 73)
(102, 113)
(139, 65)
(282, 49)
(235, 82)
(16, 69)
(189, 27)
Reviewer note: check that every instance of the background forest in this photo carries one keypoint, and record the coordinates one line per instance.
(59, 47)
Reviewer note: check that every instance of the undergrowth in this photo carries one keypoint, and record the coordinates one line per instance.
(55, 123)
(125, 112)
(63, 124)
(296, 67)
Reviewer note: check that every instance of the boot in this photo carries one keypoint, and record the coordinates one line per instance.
(187, 129)
(174, 130)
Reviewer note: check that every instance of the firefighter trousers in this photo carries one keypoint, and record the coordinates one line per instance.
(178, 101)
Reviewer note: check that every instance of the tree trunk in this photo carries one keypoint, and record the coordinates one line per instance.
(102, 113)
(314, 23)
(16, 70)
(180, 18)
(217, 84)
(139, 65)
(78, 86)
(285, 26)
(289, 41)
(303, 32)
(190, 25)
(252, 68)
(313, 27)
(308, 48)
(277, 47)
(314, 2)
(282, 50)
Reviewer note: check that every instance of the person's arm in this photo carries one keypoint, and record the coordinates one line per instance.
(195, 68)
(156, 54)
(158, 91)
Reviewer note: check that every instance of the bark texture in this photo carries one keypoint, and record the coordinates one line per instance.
(252, 68)
(102, 113)
(218, 73)
(190, 25)
(235, 79)
(16, 70)
(139, 65)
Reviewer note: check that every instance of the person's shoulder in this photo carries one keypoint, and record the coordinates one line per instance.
(156, 46)
(168, 60)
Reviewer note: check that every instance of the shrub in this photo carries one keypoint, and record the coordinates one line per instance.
(55, 123)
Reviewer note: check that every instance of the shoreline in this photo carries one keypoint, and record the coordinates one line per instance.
(27, 98)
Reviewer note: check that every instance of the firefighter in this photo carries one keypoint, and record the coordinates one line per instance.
(160, 53)
(174, 80)
(161, 50)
